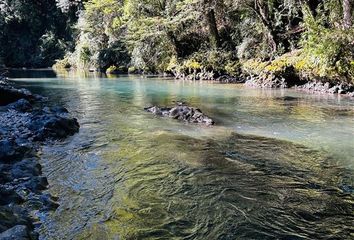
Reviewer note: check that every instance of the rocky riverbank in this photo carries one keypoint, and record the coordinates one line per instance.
(292, 70)
(309, 86)
(25, 124)
(273, 81)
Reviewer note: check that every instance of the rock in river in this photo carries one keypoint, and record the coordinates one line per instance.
(182, 112)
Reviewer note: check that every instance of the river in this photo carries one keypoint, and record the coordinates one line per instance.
(278, 164)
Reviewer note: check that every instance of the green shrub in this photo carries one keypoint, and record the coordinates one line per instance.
(328, 52)
(62, 63)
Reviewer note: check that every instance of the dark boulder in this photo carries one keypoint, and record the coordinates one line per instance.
(12, 215)
(9, 196)
(18, 232)
(9, 94)
(59, 110)
(55, 127)
(21, 105)
(37, 183)
(53, 123)
(183, 113)
(5, 175)
(11, 151)
(26, 168)
(48, 202)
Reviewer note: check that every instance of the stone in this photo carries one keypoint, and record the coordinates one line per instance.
(26, 168)
(183, 113)
(9, 196)
(318, 86)
(12, 215)
(10, 151)
(48, 201)
(21, 105)
(18, 232)
(37, 183)
(9, 94)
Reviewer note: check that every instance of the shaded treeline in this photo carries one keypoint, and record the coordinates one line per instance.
(179, 36)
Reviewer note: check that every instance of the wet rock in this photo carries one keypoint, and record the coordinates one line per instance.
(36, 183)
(5, 175)
(18, 232)
(48, 201)
(59, 110)
(57, 128)
(290, 79)
(11, 151)
(21, 105)
(9, 196)
(230, 79)
(60, 127)
(37, 125)
(182, 112)
(26, 168)
(10, 94)
(11, 216)
(327, 87)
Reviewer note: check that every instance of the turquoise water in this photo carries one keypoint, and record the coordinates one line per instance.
(278, 163)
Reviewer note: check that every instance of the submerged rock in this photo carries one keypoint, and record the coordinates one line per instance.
(182, 112)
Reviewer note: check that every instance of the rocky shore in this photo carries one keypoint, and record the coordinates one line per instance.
(274, 81)
(327, 87)
(309, 86)
(208, 76)
(182, 112)
(25, 124)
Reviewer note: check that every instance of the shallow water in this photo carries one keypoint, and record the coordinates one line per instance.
(278, 164)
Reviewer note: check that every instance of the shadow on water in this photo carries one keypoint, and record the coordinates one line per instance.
(31, 73)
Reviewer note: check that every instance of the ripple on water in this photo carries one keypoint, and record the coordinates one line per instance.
(131, 175)
(243, 186)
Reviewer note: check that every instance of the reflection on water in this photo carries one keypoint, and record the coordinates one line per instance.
(131, 175)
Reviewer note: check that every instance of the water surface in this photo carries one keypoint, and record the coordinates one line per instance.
(278, 164)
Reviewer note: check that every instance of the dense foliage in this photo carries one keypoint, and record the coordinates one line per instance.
(33, 33)
(180, 36)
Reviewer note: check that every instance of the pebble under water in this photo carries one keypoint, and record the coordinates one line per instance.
(277, 164)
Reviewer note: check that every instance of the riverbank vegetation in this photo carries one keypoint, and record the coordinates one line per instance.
(196, 39)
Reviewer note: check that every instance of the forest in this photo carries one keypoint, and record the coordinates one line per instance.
(196, 39)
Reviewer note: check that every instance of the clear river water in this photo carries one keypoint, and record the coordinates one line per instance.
(278, 164)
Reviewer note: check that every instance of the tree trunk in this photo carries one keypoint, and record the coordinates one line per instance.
(347, 14)
(213, 29)
(313, 4)
(261, 10)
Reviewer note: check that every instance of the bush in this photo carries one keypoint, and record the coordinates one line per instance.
(327, 52)
(117, 70)
(62, 63)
